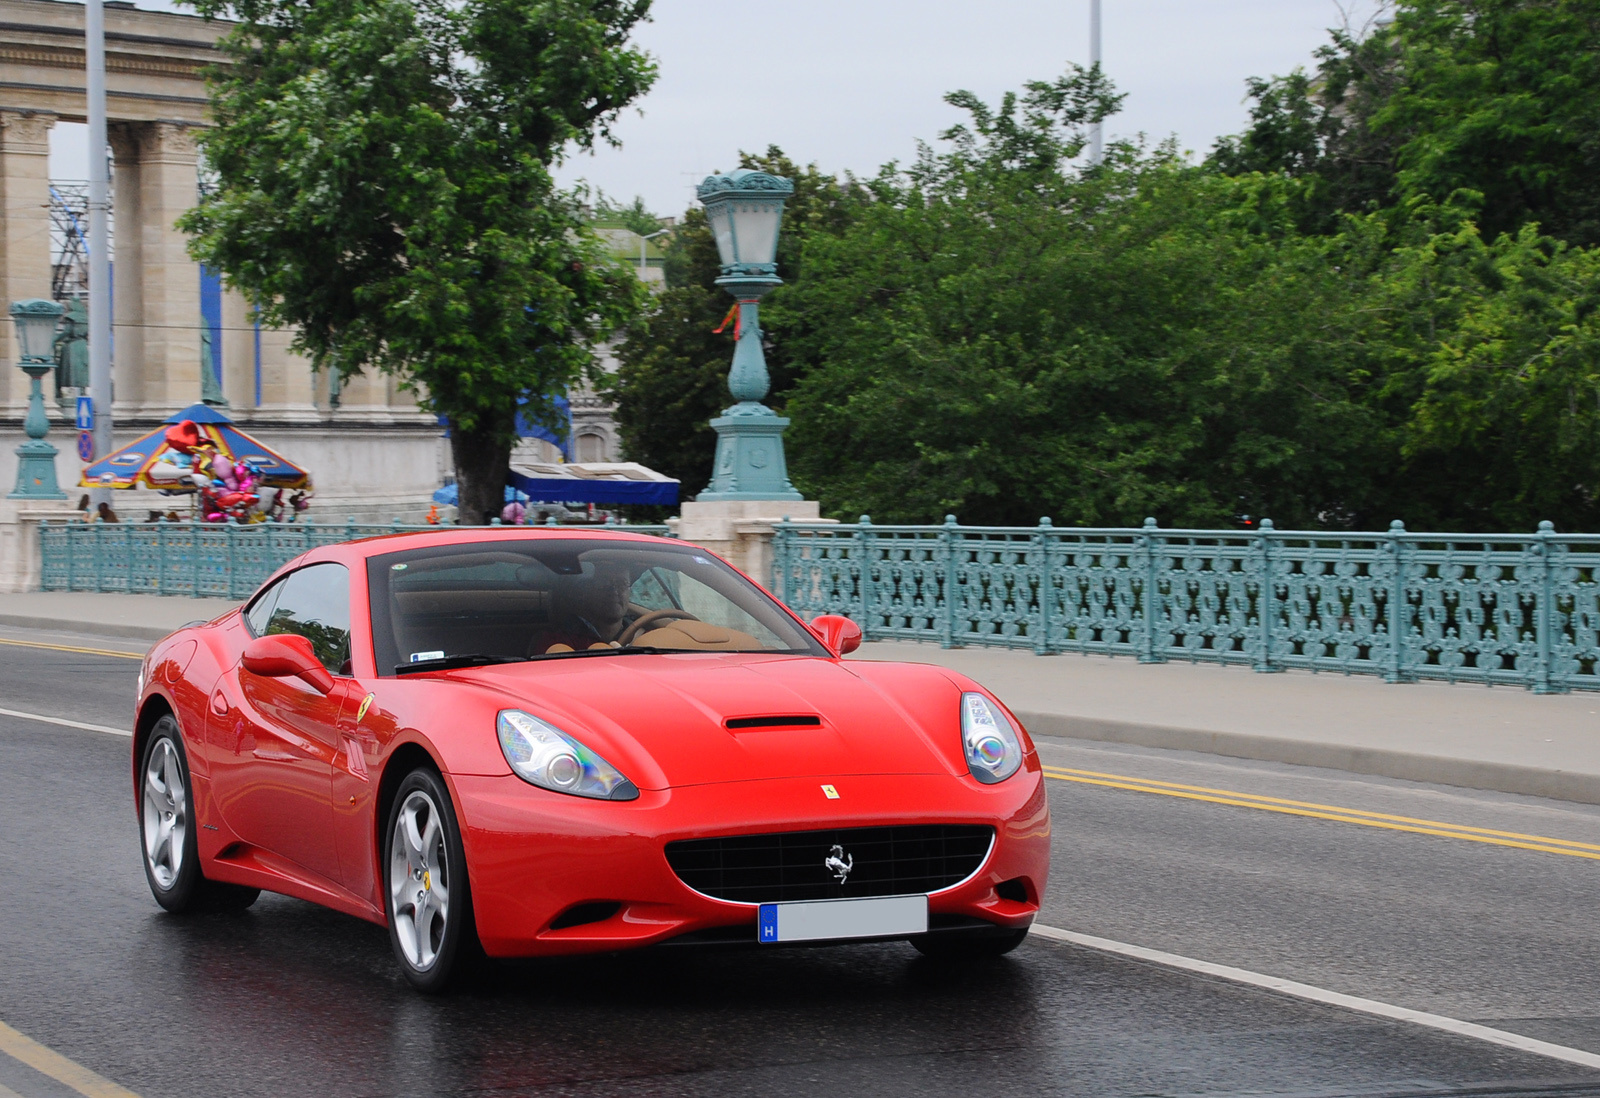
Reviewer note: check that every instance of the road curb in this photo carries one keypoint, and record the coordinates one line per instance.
(92, 628)
(1560, 785)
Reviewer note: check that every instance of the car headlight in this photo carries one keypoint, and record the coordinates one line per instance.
(547, 757)
(993, 749)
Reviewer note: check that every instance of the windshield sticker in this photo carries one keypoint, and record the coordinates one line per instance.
(418, 657)
(701, 560)
(397, 568)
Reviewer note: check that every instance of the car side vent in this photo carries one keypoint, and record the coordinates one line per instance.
(583, 914)
(774, 722)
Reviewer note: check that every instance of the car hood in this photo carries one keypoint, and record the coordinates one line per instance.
(664, 719)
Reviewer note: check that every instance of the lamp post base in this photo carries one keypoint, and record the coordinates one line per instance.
(749, 464)
(36, 472)
(740, 531)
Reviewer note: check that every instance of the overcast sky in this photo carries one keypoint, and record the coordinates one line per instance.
(851, 84)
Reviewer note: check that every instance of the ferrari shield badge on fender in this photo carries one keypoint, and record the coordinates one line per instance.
(366, 704)
(830, 792)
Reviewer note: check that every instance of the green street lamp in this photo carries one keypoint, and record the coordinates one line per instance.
(36, 322)
(745, 209)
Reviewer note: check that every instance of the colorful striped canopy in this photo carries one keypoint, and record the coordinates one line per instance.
(130, 466)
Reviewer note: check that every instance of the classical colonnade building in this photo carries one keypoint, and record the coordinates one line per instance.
(371, 450)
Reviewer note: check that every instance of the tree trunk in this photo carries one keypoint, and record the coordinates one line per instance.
(482, 459)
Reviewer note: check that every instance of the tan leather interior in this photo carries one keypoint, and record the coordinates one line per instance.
(698, 636)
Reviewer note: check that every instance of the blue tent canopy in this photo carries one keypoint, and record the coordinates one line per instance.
(608, 483)
(130, 466)
(578, 490)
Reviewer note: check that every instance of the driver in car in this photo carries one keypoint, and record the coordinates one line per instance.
(596, 612)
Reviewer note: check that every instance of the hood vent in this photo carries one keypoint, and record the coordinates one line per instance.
(736, 723)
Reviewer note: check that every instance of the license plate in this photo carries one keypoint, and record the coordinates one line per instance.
(821, 920)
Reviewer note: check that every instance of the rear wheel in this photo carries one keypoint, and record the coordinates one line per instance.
(969, 945)
(431, 924)
(167, 827)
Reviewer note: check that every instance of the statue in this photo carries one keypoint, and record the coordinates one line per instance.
(72, 351)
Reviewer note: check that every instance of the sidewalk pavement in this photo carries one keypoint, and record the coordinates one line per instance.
(143, 617)
(1504, 738)
(1500, 738)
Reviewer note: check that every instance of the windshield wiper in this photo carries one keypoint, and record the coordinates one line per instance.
(447, 663)
(626, 649)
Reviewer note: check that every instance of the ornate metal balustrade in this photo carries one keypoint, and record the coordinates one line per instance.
(1492, 608)
(213, 560)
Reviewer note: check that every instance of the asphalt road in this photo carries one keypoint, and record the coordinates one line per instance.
(288, 999)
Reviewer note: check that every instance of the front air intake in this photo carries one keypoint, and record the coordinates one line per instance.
(804, 865)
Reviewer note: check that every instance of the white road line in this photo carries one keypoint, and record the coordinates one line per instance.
(1329, 998)
(63, 722)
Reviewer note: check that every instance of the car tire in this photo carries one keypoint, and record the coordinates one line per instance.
(167, 830)
(427, 894)
(969, 945)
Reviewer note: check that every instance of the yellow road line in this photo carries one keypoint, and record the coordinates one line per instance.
(49, 1062)
(70, 648)
(1538, 843)
(1064, 771)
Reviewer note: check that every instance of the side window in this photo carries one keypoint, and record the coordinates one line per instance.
(652, 590)
(315, 603)
(260, 611)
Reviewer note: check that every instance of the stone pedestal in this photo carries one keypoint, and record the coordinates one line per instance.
(24, 235)
(740, 531)
(19, 540)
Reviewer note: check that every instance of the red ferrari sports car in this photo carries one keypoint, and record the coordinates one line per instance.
(515, 742)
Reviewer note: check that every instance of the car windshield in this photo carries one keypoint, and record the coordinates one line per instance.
(501, 600)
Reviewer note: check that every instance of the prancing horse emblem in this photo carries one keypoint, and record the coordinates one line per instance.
(838, 863)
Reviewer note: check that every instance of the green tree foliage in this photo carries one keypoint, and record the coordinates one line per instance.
(673, 374)
(1378, 302)
(633, 215)
(1000, 336)
(384, 188)
(1502, 98)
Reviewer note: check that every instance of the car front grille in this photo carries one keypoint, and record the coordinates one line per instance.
(883, 861)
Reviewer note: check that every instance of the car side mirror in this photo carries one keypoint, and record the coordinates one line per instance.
(837, 632)
(285, 656)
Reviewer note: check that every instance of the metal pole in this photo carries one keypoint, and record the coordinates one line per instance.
(643, 260)
(99, 238)
(1097, 131)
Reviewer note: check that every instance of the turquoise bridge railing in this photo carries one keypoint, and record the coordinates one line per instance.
(205, 560)
(1517, 609)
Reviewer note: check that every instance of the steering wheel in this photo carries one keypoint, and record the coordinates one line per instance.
(627, 635)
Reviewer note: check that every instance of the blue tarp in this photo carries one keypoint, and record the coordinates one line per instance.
(563, 490)
(574, 490)
(448, 495)
(527, 428)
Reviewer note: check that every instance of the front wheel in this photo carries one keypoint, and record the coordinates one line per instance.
(969, 945)
(431, 925)
(166, 824)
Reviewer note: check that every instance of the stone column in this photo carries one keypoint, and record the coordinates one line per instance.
(168, 188)
(365, 398)
(127, 271)
(24, 235)
(238, 352)
(286, 382)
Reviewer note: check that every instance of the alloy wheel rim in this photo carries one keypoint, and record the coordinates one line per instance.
(166, 813)
(419, 880)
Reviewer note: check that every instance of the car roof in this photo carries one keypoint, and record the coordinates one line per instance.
(351, 553)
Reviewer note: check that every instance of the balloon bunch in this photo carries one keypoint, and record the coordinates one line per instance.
(230, 491)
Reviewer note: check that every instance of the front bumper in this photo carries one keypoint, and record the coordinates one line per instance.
(534, 856)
